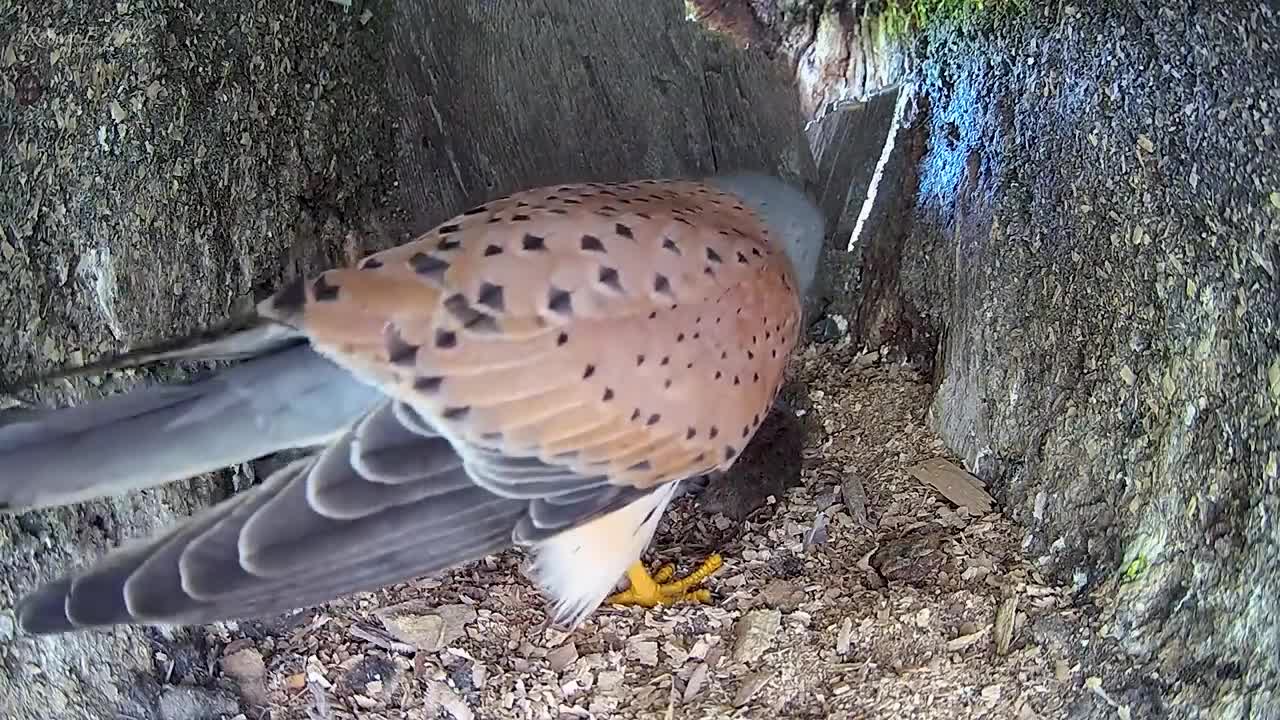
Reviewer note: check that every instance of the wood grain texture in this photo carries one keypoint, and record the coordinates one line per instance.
(495, 97)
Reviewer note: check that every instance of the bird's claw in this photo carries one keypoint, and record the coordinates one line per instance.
(660, 589)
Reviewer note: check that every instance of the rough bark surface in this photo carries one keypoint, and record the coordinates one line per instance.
(169, 162)
(1092, 236)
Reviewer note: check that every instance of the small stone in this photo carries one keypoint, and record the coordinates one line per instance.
(754, 633)
(181, 702)
(297, 681)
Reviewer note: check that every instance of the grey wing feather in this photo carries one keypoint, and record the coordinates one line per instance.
(321, 528)
(148, 436)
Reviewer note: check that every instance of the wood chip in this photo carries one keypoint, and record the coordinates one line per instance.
(1003, 632)
(697, 680)
(562, 657)
(854, 496)
(964, 641)
(955, 484)
(845, 637)
(442, 697)
(750, 686)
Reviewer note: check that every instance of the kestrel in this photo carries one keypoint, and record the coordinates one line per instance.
(539, 371)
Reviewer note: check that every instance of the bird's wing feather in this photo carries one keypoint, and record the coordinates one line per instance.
(388, 502)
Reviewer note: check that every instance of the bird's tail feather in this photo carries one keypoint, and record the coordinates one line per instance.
(285, 395)
(241, 337)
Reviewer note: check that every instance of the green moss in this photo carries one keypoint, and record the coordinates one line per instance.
(1134, 569)
(902, 18)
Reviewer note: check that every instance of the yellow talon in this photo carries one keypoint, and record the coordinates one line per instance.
(660, 589)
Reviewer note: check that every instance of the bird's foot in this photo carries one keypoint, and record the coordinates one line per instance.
(660, 589)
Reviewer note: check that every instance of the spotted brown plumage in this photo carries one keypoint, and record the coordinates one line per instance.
(542, 370)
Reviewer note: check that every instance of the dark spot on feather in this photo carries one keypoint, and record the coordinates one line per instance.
(746, 430)
(323, 290)
(428, 266)
(736, 381)
(714, 256)
(719, 374)
(653, 419)
(724, 355)
(639, 360)
(572, 201)
(624, 231)
(493, 250)
(667, 384)
(446, 339)
(371, 264)
(400, 352)
(680, 219)
(756, 420)
(751, 355)
(559, 301)
(447, 245)
(742, 258)
(533, 243)
(491, 436)
(665, 361)
(669, 244)
(491, 296)
(680, 337)
(642, 465)
(697, 335)
(608, 395)
(653, 314)
(755, 377)
(644, 215)
(609, 278)
(714, 432)
(607, 211)
(559, 211)
(690, 434)
(476, 210)
(708, 271)
(661, 284)
(460, 308)
(635, 415)
(729, 452)
(448, 229)
(774, 353)
(591, 370)
(755, 251)
(591, 243)
(427, 384)
(456, 413)
(562, 339)
(519, 217)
